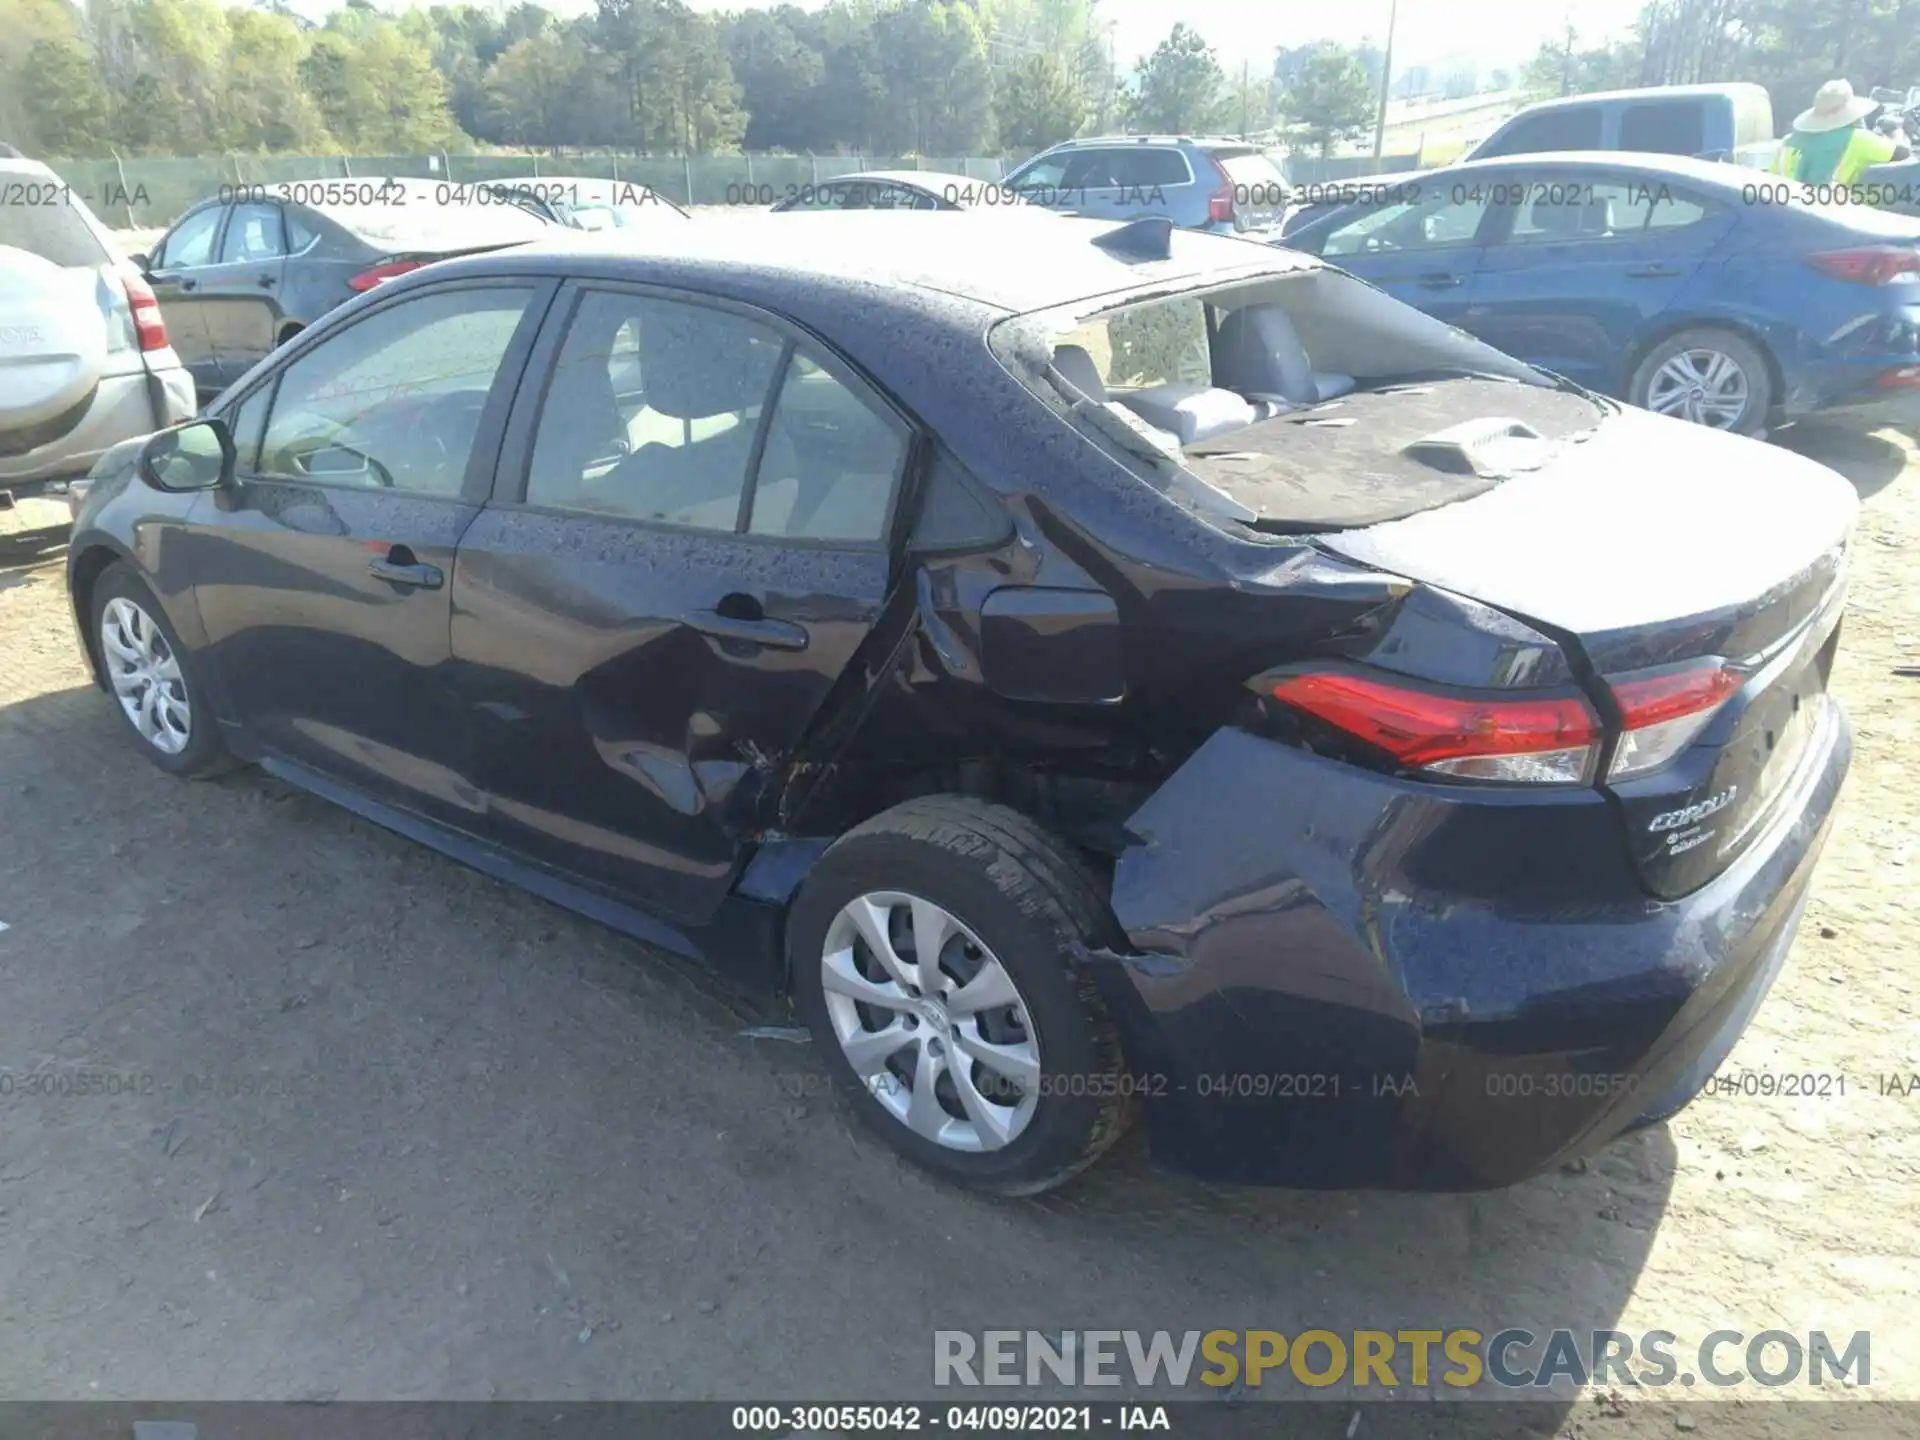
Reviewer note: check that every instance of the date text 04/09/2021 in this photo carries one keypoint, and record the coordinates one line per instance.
(955, 1419)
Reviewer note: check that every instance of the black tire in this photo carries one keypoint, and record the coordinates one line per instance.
(1736, 347)
(204, 755)
(1032, 902)
(287, 333)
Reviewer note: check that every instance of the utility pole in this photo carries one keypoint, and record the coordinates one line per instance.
(1566, 65)
(1243, 99)
(1386, 81)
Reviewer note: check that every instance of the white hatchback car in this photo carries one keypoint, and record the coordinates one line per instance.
(84, 357)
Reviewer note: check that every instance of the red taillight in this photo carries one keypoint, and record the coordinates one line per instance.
(1220, 204)
(1538, 739)
(149, 326)
(1869, 264)
(1662, 711)
(367, 279)
(1907, 377)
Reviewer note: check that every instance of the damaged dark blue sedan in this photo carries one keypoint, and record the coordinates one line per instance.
(1096, 672)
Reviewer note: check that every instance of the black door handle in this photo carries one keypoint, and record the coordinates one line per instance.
(188, 284)
(407, 572)
(266, 282)
(772, 634)
(1439, 280)
(1653, 272)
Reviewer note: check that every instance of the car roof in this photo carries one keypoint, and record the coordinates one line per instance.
(585, 184)
(1087, 140)
(933, 181)
(1656, 92)
(1059, 263)
(1717, 174)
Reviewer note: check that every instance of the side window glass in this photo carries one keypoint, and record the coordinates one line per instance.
(299, 233)
(830, 462)
(1090, 170)
(394, 401)
(1432, 223)
(1551, 210)
(1045, 173)
(1668, 210)
(1147, 167)
(1573, 128)
(662, 431)
(253, 233)
(192, 242)
(954, 513)
(246, 421)
(1667, 127)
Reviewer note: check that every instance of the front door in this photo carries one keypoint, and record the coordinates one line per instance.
(1423, 248)
(1585, 264)
(690, 542)
(327, 579)
(174, 269)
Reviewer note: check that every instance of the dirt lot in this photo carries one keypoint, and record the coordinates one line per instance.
(498, 1151)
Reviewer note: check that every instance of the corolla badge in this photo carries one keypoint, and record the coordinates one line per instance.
(1693, 814)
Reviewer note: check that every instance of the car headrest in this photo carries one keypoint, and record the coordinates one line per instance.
(1258, 352)
(1557, 219)
(697, 362)
(1077, 368)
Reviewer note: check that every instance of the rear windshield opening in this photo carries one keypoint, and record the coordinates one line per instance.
(1303, 402)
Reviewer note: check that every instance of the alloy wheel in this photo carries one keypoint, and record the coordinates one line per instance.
(931, 1021)
(145, 675)
(1707, 387)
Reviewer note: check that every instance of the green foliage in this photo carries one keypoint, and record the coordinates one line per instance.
(1790, 46)
(1041, 104)
(60, 89)
(1328, 98)
(1180, 85)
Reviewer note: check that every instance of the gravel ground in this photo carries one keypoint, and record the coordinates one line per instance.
(495, 1150)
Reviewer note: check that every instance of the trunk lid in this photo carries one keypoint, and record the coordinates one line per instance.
(1648, 543)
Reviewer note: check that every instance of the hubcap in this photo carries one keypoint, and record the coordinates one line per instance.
(146, 676)
(1704, 386)
(931, 1021)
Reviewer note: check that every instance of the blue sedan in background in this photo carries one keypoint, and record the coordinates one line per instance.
(1700, 290)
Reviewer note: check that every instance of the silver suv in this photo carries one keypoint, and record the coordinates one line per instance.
(84, 357)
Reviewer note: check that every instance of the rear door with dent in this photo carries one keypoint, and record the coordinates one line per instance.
(690, 540)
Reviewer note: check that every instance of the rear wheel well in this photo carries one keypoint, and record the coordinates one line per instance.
(87, 570)
(1088, 810)
(1732, 327)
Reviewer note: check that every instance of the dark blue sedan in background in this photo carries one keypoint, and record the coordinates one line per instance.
(1706, 291)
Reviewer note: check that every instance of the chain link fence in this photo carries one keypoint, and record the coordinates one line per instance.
(144, 193)
(140, 193)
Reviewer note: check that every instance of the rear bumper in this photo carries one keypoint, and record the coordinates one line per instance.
(123, 406)
(1340, 979)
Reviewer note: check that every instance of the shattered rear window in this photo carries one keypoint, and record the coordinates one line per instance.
(1295, 402)
(1156, 344)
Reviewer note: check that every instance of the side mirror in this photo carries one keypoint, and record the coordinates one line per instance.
(196, 456)
(143, 261)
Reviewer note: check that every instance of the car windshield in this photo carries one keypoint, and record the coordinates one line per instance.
(46, 220)
(1296, 402)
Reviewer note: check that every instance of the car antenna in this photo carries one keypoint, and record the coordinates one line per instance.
(1148, 238)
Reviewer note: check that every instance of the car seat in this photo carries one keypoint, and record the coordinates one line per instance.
(1257, 353)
